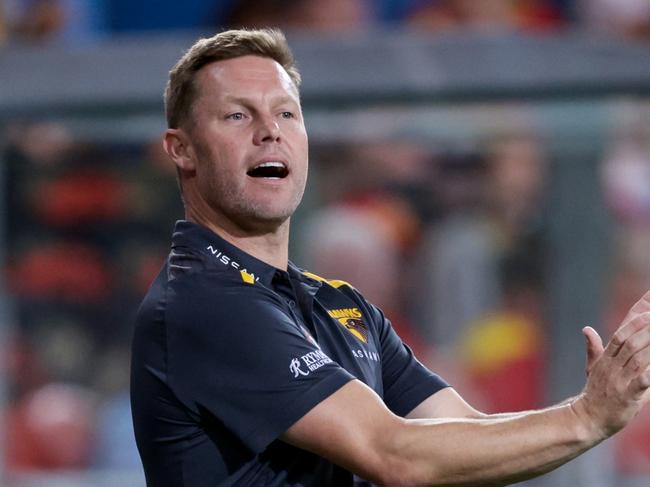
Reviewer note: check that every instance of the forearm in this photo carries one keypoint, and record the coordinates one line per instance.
(491, 451)
(516, 414)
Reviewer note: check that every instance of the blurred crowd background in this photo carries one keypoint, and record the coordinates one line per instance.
(45, 21)
(452, 238)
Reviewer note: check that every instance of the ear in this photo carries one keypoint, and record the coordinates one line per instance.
(178, 148)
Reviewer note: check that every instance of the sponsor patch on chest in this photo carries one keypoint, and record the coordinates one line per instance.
(351, 320)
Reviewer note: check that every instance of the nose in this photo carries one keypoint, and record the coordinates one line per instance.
(268, 130)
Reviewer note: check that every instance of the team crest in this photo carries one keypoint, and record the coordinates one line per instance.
(350, 319)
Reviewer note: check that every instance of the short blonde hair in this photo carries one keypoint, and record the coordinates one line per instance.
(180, 92)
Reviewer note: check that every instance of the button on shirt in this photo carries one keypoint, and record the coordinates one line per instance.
(229, 352)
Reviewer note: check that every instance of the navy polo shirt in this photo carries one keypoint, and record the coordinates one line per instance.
(229, 352)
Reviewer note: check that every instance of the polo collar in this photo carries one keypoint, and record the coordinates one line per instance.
(221, 254)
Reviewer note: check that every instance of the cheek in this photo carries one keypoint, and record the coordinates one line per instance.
(301, 144)
(217, 158)
(227, 154)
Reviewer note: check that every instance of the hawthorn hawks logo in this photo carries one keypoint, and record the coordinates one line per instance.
(350, 319)
(357, 327)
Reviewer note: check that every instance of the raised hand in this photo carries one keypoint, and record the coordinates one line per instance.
(618, 382)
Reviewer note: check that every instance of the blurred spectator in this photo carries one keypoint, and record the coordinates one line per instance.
(75, 21)
(152, 190)
(516, 183)
(64, 182)
(392, 166)
(65, 347)
(4, 25)
(487, 15)
(45, 144)
(52, 21)
(33, 151)
(255, 13)
(622, 18)
(438, 15)
(458, 269)
(73, 272)
(34, 21)
(312, 15)
(140, 261)
(81, 197)
(50, 429)
(491, 207)
(503, 351)
(626, 175)
(329, 15)
(458, 253)
(355, 245)
(542, 15)
(23, 366)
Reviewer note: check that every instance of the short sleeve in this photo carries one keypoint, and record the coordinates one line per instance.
(235, 353)
(406, 381)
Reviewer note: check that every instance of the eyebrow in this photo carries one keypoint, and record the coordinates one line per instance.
(242, 100)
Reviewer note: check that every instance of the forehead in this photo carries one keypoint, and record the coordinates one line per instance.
(245, 76)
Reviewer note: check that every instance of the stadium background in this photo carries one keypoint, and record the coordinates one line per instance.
(480, 169)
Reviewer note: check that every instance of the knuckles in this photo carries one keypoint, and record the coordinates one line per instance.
(617, 340)
(644, 381)
(636, 362)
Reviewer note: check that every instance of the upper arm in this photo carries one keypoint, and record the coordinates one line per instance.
(352, 428)
(446, 403)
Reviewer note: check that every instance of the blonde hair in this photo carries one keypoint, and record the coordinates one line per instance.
(180, 92)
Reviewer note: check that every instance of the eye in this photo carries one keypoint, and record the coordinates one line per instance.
(235, 116)
(287, 115)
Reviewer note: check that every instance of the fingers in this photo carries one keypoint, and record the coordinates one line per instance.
(594, 342)
(637, 323)
(640, 384)
(637, 364)
(619, 384)
(633, 347)
(641, 306)
(594, 346)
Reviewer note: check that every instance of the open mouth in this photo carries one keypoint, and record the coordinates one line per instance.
(273, 170)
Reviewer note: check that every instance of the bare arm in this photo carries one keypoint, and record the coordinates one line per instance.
(447, 403)
(372, 442)
(354, 429)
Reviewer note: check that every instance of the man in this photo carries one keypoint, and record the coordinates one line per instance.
(249, 371)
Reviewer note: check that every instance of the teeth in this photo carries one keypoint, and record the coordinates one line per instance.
(269, 169)
(271, 164)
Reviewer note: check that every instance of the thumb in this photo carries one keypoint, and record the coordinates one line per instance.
(594, 346)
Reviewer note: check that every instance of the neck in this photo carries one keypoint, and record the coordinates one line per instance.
(270, 246)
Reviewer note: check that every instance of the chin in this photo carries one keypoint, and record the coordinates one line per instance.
(273, 210)
(259, 222)
(263, 215)
(263, 226)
